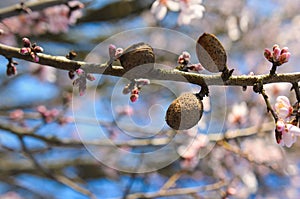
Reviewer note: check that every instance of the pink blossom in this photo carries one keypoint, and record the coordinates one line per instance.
(190, 9)
(190, 153)
(288, 135)
(196, 67)
(238, 113)
(184, 58)
(283, 107)
(160, 8)
(16, 115)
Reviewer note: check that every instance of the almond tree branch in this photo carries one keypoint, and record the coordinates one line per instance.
(63, 63)
(32, 5)
(179, 191)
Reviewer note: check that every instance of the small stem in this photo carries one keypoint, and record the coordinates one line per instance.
(296, 89)
(274, 68)
(203, 92)
(269, 107)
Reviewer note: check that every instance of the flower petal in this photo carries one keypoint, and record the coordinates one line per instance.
(288, 139)
(159, 10)
(294, 130)
(173, 5)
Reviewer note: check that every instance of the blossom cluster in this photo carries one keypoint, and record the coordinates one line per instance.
(55, 19)
(134, 88)
(80, 82)
(114, 53)
(286, 129)
(185, 65)
(189, 9)
(31, 49)
(278, 56)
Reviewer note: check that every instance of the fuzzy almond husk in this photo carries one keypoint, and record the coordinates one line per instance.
(211, 53)
(184, 112)
(136, 56)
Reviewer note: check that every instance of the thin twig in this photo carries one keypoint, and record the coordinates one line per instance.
(58, 178)
(179, 191)
(269, 107)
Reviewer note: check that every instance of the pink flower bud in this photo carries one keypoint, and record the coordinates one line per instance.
(90, 77)
(280, 126)
(16, 115)
(135, 91)
(25, 51)
(26, 42)
(142, 82)
(186, 55)
(36, 59)
(184, 58)
(38, 49)
(275, 46)
(11, 70)
(268, 55)
(80, 72)
(134, 97)
(41, 109)
(284, 50)
(112, 51)
(283, 58)
(276, 54)
(196, 67)
(119, 52)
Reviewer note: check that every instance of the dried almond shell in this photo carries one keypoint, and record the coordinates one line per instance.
(184, 112)
(211, 53)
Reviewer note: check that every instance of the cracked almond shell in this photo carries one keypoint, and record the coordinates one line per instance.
(184, 112)
(211, 53)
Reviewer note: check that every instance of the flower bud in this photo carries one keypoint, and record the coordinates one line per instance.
(38, 49)
(276, 53)
(283, 58)
(268, 55)
(142, 82)
(284, 50)
(90, 77)
(118, 52)
(25, 51)
(11, 70)
(112, 51)
(80, 72)
(26, 42)
(134, 97)
(280, 126)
